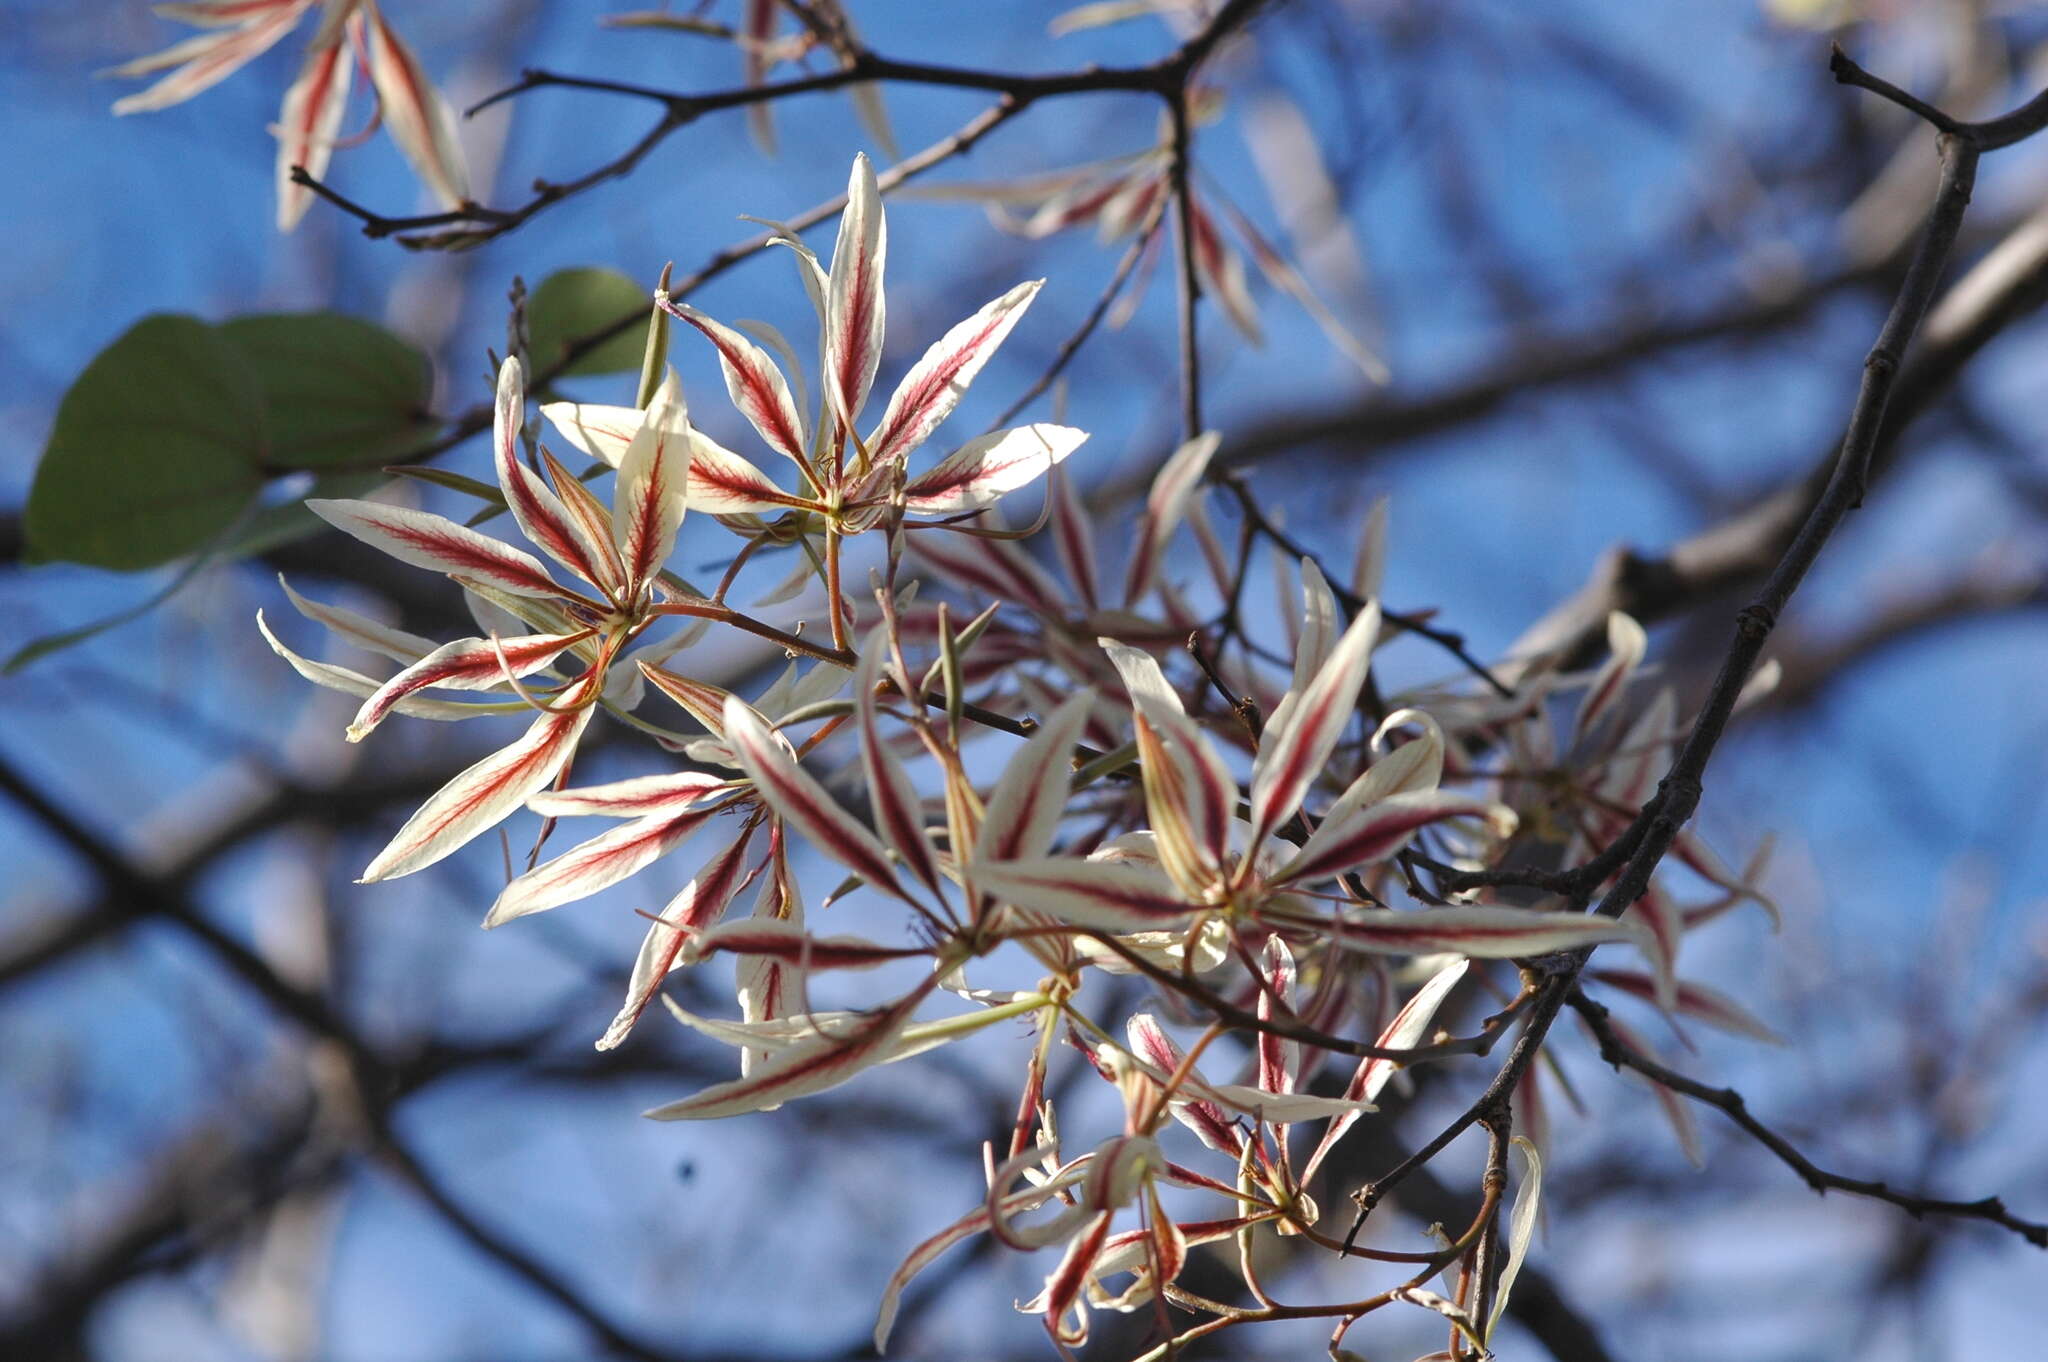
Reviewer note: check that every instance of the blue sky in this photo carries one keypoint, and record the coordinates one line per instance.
(1914, 789)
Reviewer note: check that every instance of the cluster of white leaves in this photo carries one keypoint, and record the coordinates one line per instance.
(1255, 838)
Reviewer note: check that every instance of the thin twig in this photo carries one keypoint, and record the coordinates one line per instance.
(1730, 1103)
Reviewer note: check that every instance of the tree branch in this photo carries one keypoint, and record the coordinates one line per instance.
(1730, 1103)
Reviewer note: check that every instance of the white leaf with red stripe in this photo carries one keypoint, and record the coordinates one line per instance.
(1073, 537)
(1165, 505)
(802, 802)
(1643, 754)
(799, 1071)
(1223, 277)
(542, 517)
(355, 683)
(775, 1034)
(1260, 1103)
(1626, 646)
(769, 991)
(1279, 1057)
(1414, 767)
(419, 120)
(307, 124)
(590, 517)
(1025, 807)
(1134, 1250)
(1280, 1108)
(647, 504)
(1657, 912)
(1362, 836)
(229, 13)
(723, 483)
(770, 336)
(437, 543)
(753, 381)
(1102, 895)
(976, 1221)
(482, 796)
(1318, 629)
(1709, 1005)
(1480, 932)
(702, 901)
(936, 383)
(854, 312)
(1405, 1032)
(1150, 1043)
(206, 59)
(788, 942)
(597, 864)
(1062, 1293)
(635, 797)
(466, 664)
(757, 30)
(704, 702)
(984, 470)
(1297, 745)
(898, 810)
(1461, 1319)
(1145, 682)
(604, 433)
(1190, 793)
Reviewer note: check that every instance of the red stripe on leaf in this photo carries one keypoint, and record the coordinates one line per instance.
(483, 795)
(435, 542)
(466, 664)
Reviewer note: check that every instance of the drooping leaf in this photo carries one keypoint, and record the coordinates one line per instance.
(418, 118)
(311, 118)
(1521, 1227)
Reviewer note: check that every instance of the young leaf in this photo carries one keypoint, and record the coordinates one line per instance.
(937, 382)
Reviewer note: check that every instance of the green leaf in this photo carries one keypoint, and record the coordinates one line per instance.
(157, 448)
(488, 493)
(340, 390)
(571, 304)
